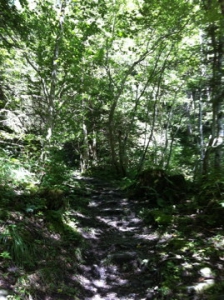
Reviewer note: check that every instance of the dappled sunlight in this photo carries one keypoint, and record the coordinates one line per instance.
(203, 286)
(111, 150)
(93, 204)
(108, 278)
(55, 236)
(90, 233)
(127, 251)
(80, 215)
(21, 175)
(121, 257)
(147, 237)
(117, 224)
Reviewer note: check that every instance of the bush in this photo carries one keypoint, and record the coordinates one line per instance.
(159, 187)
(54, 170)
(18, 243)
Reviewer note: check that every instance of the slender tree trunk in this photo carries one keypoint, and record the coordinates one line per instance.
(215, 35)
(157, 99)
(94, 147)
(165, 158)
(115, 96)
(217, 97)
(142, 159)
(84, 155)
(201, 134)
(52, 93)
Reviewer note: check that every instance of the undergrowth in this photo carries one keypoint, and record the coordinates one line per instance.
(39, 243)
(191, 247)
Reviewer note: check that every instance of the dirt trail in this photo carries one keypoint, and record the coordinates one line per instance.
(117, 244)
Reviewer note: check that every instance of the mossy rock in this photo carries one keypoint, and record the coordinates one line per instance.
(55, 198)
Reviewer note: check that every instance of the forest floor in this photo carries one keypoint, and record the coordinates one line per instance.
(112, 254)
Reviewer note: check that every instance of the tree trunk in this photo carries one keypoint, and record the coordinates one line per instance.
(84, 155)
(217, 97)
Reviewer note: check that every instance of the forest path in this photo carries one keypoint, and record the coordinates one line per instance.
(117, 244)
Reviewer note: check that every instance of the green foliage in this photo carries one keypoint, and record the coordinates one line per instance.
(5, 255)
(102, 172)
(158, 188)
(134, 85)
(18, 241)
(55, 172)
(210, 187)
(158, 217)
(15, 173)
(82, 60)
(126, 182)
(52, 198)
(12, 21)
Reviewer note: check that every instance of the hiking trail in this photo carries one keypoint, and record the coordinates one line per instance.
(115, 265)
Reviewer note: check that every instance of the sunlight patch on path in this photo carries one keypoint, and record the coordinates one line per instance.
(92, 233)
